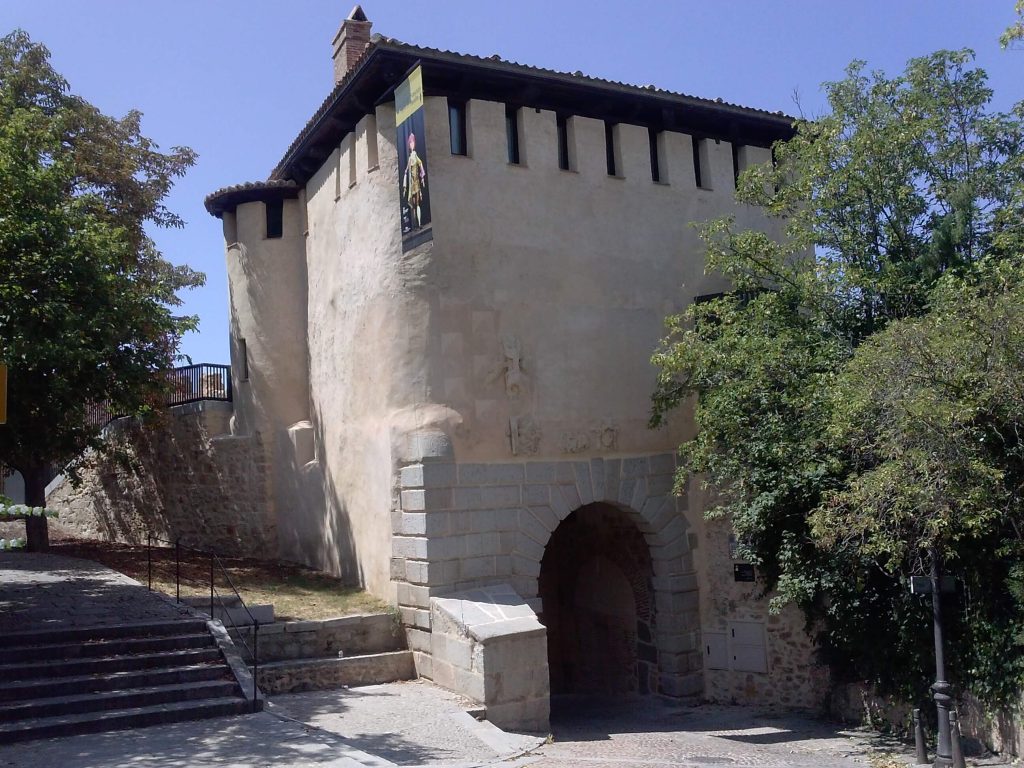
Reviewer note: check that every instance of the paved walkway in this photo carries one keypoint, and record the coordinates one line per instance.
(407, 724)
(39, 591)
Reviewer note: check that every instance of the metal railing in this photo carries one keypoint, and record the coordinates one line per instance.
(215, 562)
(202, 381)
(187, 384)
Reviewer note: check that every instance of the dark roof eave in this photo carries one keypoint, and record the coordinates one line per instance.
(229, 198)
(385, 60)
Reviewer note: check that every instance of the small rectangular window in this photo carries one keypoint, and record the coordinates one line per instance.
(701, 163)
(653, 137)
(562, 124)
(243, 359)
(337, 172)
(372, 157)
(696, 162)
(609, 149)
(457, 127)
(512, 133)
(736, 164)
(275, 218)
(350, 154)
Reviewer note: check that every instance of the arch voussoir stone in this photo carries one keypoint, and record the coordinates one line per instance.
(536, 499)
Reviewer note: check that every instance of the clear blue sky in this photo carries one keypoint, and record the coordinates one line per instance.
(237, 79)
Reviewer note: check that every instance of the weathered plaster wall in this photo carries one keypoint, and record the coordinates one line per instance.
(562, 278)
(368, 326)
(189, 478)
(269, 361)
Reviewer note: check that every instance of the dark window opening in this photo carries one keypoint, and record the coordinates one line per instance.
(562, 122)
(512, 133)
(457, 127)
(243, 355)
(775, 168)
(609, 148)
(652, 137)
(735, 164)
(275, 218)
(696, 162)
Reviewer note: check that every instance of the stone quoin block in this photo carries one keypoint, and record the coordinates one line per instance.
(581, 470)
(491, 474)
(546, 517)
(498, 496)
(429, 475)
(536, 495)
(529, 525)
(543, 472)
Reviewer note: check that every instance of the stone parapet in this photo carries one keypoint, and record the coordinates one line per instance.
(488, 646)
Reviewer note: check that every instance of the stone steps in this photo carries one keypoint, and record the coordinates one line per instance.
(22, 690)
(79, 680)
(110, 664)
(95, 722)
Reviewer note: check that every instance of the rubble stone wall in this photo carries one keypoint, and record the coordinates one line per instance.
(186, 477)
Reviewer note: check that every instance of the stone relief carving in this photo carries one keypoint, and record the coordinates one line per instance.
(524, 435)
(515, 379)
(603, 437)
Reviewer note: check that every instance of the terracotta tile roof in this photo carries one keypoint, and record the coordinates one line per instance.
(575, 77)
(381, 43)
(226, 197)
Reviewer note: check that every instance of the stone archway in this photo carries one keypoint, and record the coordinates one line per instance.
(596, 591)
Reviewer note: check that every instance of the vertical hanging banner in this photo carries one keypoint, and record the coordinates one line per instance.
(413, 178)
(3, 393)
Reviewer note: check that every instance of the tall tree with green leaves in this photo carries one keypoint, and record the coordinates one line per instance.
(86, 299)
(904, 183)
(1015, 31)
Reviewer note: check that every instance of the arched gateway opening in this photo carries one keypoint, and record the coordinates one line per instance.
(595, 586)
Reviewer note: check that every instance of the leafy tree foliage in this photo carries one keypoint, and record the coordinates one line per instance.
(889, 203)
(1016, 30)
(85, 297)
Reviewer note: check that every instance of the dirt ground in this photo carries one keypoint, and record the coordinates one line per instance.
(295, 591)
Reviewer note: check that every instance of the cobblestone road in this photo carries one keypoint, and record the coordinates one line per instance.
(655, 732)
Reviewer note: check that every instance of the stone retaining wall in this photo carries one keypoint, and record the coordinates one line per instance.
(999, 731)
(186, 476)
(351, 635)
(324, 674)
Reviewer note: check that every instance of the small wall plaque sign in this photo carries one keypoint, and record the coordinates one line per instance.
(743, 572)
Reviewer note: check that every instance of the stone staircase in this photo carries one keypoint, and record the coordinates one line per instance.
(84, 680)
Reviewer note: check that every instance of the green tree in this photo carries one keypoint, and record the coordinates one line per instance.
(1016, 30)
(904, 181)
(86, 299)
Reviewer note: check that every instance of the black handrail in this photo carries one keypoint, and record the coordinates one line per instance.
(214, 594)
(202, 381)
(186, 384)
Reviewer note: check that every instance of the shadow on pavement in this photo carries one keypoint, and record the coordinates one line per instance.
(588, 718)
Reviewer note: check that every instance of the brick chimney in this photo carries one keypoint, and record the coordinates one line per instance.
(350, 42)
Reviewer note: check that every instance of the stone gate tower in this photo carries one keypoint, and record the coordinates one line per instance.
(443, 304)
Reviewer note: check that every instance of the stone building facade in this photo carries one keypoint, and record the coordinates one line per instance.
(457, 417)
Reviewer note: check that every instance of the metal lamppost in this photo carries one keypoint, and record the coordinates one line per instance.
(935, 585)
(941, 687)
